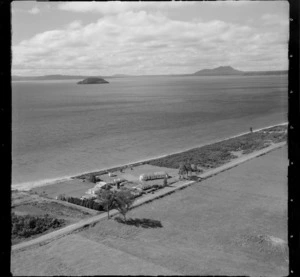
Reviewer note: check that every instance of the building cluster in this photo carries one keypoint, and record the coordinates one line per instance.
(142, 185)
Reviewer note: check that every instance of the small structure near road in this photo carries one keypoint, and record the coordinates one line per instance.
(153, 176)
(88, 196)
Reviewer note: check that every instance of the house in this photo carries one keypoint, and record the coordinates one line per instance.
(100, 184)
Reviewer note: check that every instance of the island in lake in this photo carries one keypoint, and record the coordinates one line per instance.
(92, 80)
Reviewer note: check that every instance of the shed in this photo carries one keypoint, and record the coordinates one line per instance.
(154, 176)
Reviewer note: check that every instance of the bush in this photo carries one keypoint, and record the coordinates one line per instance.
(26, 226)
(92, 178)
(88, 203)
(61, 197)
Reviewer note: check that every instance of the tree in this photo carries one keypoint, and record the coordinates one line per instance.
(107, 198)
(165, 181)
(199, 168)
(123, 201)
(93, 179)
(182, 170)
(188, 168)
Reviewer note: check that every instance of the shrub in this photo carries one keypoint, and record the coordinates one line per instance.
(88, 203)
(26, 226)
(61, 197)
(92, 178)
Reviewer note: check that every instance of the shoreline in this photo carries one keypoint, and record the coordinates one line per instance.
(30, 185)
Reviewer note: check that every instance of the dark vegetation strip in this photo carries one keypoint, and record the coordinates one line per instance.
(216, 154)
(28, 225)
(88, 203)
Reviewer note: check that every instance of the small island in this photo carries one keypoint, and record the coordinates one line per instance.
(92, 80)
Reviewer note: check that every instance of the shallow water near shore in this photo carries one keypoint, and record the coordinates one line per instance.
(60, 129)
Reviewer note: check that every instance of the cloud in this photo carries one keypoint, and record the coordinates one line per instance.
(271, 19)
(116, 7)
(74, 24)
(149, 43)
(34, 10)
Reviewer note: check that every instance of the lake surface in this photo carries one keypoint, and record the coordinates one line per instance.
(61, 129)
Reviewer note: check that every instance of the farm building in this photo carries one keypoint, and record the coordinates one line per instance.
(154, 176)
(100, 184)
(87, 196)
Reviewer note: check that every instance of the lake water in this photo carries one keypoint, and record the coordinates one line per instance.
(61, 129)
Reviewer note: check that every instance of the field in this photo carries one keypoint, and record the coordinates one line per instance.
(26, 203)
(74, 188)
(234, 223)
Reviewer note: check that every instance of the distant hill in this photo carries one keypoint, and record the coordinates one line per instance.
(228, 70)
(61, 77)
(92, 80)
(47, 77)
(219, 71)
(222, 70)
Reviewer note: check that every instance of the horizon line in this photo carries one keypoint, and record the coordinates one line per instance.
(133, 75)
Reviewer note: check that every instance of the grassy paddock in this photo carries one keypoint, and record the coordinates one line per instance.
(216, 154)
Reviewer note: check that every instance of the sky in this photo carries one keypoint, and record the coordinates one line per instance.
(106, 38)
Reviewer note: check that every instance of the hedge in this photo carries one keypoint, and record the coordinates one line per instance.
(88, 203)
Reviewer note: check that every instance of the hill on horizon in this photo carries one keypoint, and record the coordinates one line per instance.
(221, 70)
(228, 70)
(47, 77)
(218, 71)
(61, 77)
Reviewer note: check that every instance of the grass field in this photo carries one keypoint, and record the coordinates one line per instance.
(234, 223)
(26, 203)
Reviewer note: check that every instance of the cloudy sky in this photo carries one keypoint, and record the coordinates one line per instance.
(106, 38)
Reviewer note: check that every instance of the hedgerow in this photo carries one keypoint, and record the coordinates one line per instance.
(28, 225)
(88, 203)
